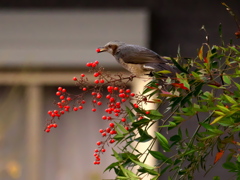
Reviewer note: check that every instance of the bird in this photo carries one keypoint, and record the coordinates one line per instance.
(137, 59)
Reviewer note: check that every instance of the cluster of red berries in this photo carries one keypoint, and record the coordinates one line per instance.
(118, 93)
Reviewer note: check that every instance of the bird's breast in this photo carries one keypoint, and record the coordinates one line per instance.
(136, 69)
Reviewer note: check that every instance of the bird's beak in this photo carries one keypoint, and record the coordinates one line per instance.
(101, 49)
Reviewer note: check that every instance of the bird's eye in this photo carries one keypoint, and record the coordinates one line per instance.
(110, 46)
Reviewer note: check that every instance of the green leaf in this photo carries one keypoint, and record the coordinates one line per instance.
(238, 85)
(121, 127)
(141, 164)
(206, 126)
(163, 141)
(144, 136)
(216, 178)
(141, 122)
(226, 79)
(116, 155)
(154, 115)
(230, 99)
(111, 166)
(159, 156)
(175, 138)
(230, 165)
(216, 119)
(130, 116)
(149, 171)
(179, 66)
(129, 174)
(164, 72)
(223, 109)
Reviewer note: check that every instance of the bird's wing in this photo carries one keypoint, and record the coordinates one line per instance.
(139, 55)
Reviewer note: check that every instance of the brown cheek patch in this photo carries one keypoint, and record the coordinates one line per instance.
(114, 49)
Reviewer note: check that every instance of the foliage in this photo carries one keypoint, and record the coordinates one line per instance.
(207, 93)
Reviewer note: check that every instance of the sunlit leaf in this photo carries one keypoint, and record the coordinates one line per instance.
(216, 119)
(200, 53)
(163, 141)
(226, 79)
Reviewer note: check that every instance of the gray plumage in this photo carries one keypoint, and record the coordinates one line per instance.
(137, 59)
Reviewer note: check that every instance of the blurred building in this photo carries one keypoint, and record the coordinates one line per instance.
(46, 43)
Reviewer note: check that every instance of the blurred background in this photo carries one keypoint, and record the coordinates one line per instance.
(43, 44)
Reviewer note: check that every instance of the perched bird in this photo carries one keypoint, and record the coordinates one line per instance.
(137, 59)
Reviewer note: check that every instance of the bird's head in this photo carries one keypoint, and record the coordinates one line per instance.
(111, 47)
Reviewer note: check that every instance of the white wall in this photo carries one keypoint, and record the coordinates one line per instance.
(66, 38)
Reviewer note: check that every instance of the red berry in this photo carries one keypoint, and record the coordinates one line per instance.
(83, 101)
(126, 128)
(112, 141)
(93, 109)
(94, 101)
(96, 81)
(147, 112)
(60, 88)
(74, 78)
(101, 130)
(112, 99)
(61, 97)
(104, 134)
(89, 64)
(55, 125)
(49, 126)
(140, 118)
(123, 119)
(108, 96)
(96, 62)
(122, 95)
(109, 118)
(103, 150)
(64, 90)
(123, 100)
(55, 111)
(101, 80)
(115, 88)
(98, 50)
(111, 125)
(132, 94)
(99, 143)
(135, 105)
(96, 150)
(113, 132)
(94, 65)
(58, 93)
(84, 89)
(118, 103)
(108, 130)
(47, 130)
(104, 117)
(62, 112)
(80, 107)
(98, 96)
(69, 98)
(121, 90)
(128, 91)
(96, 74)
(83, 75)
(99, 103)
(75, 108)
(94, 93)
(49, 112)
(116, 114)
